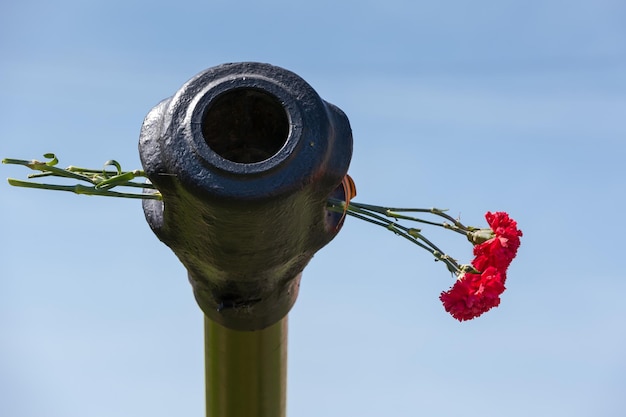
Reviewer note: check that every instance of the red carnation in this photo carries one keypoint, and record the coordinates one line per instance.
(500, 250)
(474, 294)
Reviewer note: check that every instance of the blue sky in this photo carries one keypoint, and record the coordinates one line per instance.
(508, 105)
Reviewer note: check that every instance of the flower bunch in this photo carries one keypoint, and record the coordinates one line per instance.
(480, 283)
(478, 290)
(478, 286)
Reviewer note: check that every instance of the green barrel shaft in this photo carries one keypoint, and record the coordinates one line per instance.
(246, 371)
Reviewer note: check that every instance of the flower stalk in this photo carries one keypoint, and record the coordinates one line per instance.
(381, 216)
(101, 181)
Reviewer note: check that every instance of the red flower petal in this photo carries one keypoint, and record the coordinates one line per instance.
(474, 294)
(500, 250)
(505, 229)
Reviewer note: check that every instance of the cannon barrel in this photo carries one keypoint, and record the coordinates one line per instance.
(245, 156)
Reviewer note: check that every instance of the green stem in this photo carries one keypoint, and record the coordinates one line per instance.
(82, 189)
(44, 167)
(102, 180)
(394, 212)
(411, 234)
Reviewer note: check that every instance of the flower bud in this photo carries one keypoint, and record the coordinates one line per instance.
(479, 236)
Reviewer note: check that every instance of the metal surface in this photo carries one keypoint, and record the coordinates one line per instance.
(246, 372)
(245, 156)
